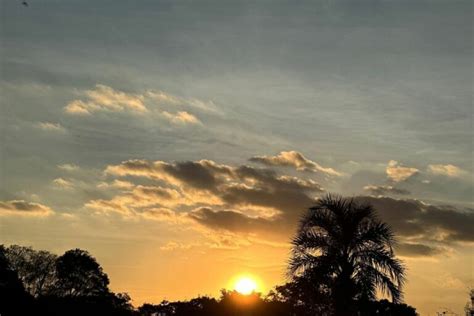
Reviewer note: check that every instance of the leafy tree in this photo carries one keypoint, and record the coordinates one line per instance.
(304, 297)
(343, 245)
(78, 274)
(14, 300)
(36, 269)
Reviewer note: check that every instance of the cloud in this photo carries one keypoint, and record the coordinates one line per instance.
(205, 181)
(131, 202)
(53, 127)
(397, 173)
(423, 229)
(238, 199)
(223, 241)
(78, 107)
(62, 183)
(104, 98)
(385, 189)
(230, 220)
(294, 159)
(23, 208)
(250, 200)
(108, 97)
(181, 117)
(446, 170)
(117, 184)
(163, 98)
(416, 250)
(68, 167)
(424, 222)
(161, 104)
(164, 215)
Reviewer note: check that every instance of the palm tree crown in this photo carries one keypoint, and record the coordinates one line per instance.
(342, 244)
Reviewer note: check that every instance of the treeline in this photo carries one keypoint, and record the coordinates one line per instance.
(41, 283)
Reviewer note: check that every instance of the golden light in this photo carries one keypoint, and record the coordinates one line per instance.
(245, 285)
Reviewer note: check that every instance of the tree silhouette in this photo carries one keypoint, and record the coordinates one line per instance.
(36, 269)
(78, 274)
(304, 295)
(342, 244)
(14, 300)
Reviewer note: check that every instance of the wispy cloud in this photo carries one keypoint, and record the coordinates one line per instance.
(296, 160)
(24, 208)
(165, 106)
(446, 170)
(385, 189)
(62, 183)
(68, 167)
(166, 99)
(181, 117)
(49, 126)
(118, 184)
(104, 98)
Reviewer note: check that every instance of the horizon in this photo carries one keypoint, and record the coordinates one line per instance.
(165, 136)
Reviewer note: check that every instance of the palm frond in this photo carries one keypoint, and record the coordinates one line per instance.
(383, 282)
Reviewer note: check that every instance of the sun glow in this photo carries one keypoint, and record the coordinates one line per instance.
(245, 285)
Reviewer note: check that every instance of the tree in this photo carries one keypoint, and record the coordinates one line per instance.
(78, 274)
(304, 296)
(342, 244)
(36, 269)
(14, 300)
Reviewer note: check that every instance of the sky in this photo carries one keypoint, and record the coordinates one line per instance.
(180, 141)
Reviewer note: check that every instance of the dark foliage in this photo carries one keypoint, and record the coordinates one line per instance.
(40, 283)
(78, 274)
(14, 299)
(107, 304)
(343, 247)
(386, 308)
(36, 269)
(230, 303)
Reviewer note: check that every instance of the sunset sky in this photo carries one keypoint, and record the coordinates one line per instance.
(179, 141)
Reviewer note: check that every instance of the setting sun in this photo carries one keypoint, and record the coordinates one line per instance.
(245, 286)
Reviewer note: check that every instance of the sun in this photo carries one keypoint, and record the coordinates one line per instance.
(245, 285)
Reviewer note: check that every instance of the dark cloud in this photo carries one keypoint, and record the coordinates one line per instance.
(229, 220)
(429, 228)
(200, 175)
(416, 250)
(385, 189)
(21, 207)
(458, 224)
(413, 218)
(235, 186)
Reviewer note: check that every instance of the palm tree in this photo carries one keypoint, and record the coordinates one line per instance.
(342, 244)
